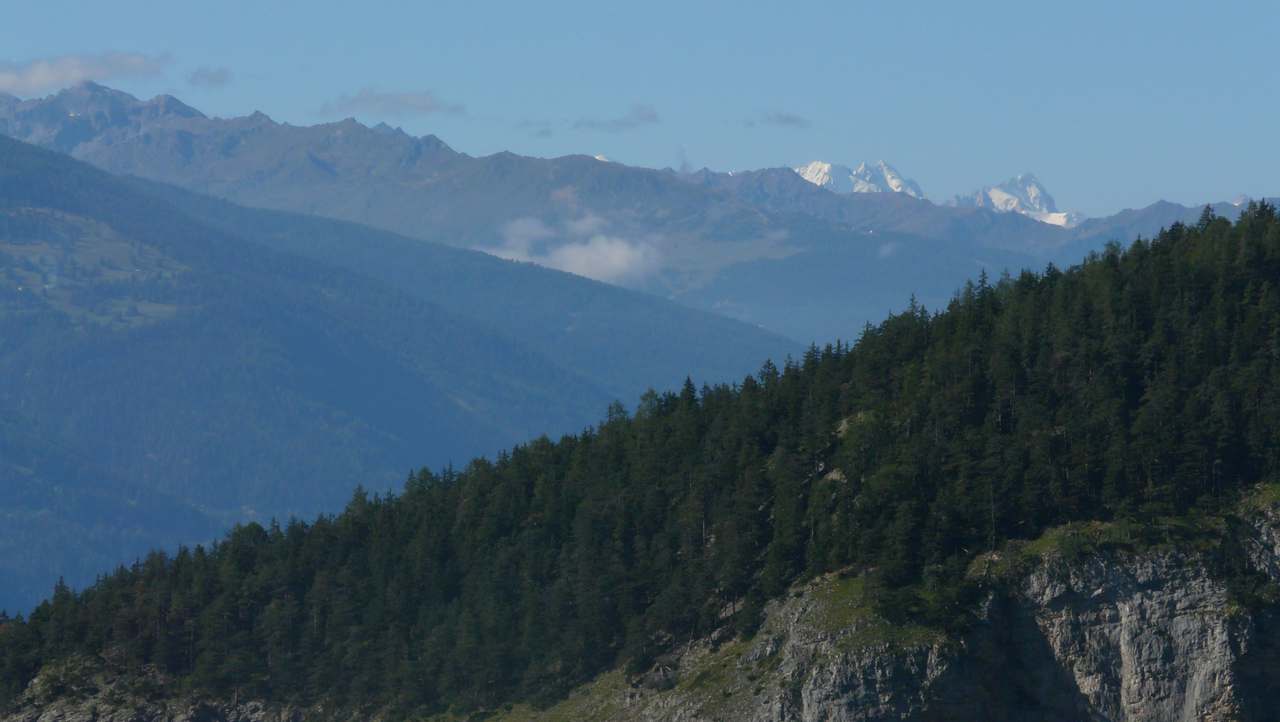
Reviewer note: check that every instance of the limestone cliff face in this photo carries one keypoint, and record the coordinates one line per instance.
(1145, 638)
(1150, 636)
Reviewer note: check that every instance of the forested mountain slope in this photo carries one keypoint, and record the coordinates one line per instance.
(1139, 388)
(163, 376)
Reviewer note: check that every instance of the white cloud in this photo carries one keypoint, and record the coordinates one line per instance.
(605, 258)
(596, 255)
(887, 249)
(525, 231)
(386, 105)
(46, 74)
(589, 224)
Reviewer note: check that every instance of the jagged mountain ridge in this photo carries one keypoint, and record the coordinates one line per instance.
(1023, 194)
(703, 244)
(879, 177)
(705, 239)
(377, 176)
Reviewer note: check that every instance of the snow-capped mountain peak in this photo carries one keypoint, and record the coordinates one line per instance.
(1022, 194)
(879, 177)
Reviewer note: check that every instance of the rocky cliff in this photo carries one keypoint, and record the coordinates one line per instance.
(1068, 631)
(1072, 630)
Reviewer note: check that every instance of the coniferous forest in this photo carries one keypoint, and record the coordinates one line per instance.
(1142, 384)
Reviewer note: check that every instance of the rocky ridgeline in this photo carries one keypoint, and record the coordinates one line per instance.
(1092, 635)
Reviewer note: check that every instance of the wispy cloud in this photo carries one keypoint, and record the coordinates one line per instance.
(605, 258)
(59, 71)
(587, 225)
(524, 232)
(391, 105)
(207, 77)
(780, 120)
(580, 247)
(637, 117)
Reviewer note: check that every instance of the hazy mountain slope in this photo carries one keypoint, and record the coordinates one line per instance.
(854, 277)
(62, 515)
(177, 359)
(622, 341)
(1132, 223)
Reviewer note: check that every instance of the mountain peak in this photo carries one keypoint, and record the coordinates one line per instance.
(1023, 194)
(878, 177)
(91, 92)
(168, 105)
(88, 86)
(87, 89)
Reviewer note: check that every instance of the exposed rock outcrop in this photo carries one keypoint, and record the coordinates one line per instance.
(1150, 636)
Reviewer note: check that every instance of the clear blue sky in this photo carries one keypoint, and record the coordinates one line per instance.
(1112, 104)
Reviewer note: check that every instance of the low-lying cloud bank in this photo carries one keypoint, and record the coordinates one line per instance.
(579, 246)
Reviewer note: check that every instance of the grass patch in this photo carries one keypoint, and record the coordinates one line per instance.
(1263, 497)
(1079, 540)
(845, 608)
(842, 603)
(714, 670)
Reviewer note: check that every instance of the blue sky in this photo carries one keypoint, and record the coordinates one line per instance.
(1112, 105)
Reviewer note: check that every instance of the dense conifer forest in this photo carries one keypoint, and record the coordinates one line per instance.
(1142, 384)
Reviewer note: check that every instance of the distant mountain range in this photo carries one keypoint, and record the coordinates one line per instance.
(173, 363)
(1022, 194)
(763, 246)
(879, 177)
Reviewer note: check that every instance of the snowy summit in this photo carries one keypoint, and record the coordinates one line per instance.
(878, 178)
(1021, 194)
